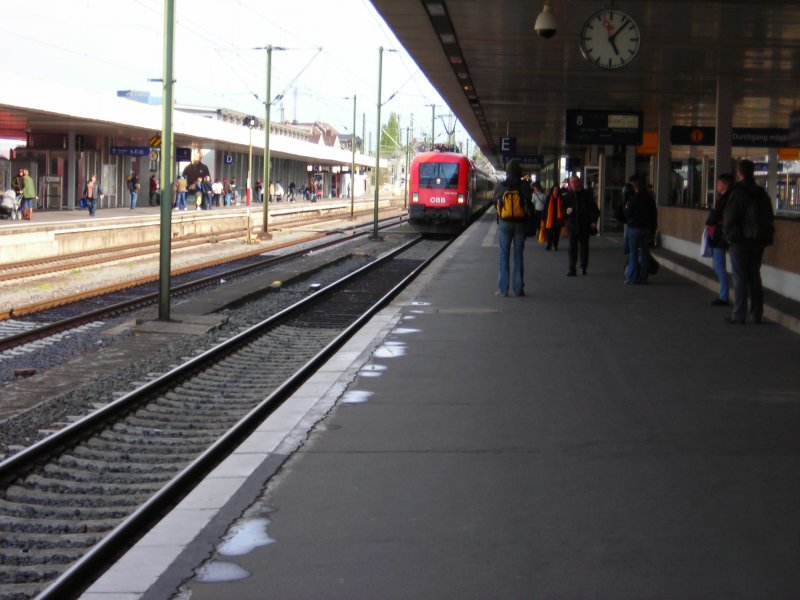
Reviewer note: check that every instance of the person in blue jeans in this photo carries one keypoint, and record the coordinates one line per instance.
(641, 216)
(133, 188)
(719, 247)
(92, 192)
(511, 230)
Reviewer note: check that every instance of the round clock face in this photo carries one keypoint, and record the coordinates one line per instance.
(610, 39)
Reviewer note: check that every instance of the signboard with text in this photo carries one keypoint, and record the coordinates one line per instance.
(130, 150)
(604, 127)
(741, 137)
(530, 161)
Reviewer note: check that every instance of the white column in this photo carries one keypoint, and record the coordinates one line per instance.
(772, 175)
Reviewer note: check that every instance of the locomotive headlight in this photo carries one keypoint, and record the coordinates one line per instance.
(461, 198)
(415, 197)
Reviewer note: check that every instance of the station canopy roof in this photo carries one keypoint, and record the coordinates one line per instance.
(521, 85)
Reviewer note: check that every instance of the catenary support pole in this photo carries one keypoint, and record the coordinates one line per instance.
(167, 165)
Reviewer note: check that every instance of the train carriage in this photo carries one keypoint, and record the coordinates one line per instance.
(446, 188)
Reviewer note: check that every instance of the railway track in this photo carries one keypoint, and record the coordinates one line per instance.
(73, 501)
(55, 316)
(95, 257)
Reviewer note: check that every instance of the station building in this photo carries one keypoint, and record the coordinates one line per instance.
(70, 134)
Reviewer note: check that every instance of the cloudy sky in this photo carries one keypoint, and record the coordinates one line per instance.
(331, 53)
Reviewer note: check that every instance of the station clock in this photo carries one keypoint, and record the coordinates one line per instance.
(610, 39)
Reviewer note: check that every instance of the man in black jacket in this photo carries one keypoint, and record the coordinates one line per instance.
(747, 225)
(641, 215)
(581, 219)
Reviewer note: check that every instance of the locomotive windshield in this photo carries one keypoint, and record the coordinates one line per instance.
(438, 175)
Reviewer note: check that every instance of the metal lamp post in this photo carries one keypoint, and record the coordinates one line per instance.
(353, 165)
(167, 165)
(375, 235)
(268, 107)
(406, 181)
(250, 122)
(433, 123)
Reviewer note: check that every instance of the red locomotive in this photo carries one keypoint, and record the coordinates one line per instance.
(447, 189)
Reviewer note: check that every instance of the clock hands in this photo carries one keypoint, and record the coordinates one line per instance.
(611, 37)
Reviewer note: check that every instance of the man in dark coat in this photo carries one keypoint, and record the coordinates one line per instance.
(746, 247)
(581, 218)
(641, 216)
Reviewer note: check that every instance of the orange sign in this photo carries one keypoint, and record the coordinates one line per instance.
(649, 143)
(789, 154)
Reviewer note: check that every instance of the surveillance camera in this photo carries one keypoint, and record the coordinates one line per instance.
(546, 25)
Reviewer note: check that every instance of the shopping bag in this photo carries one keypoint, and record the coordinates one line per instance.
(705, 248)
(542, 233)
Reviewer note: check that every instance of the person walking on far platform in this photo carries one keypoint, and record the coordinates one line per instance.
(153, 190)
(28, 195)
(92, 192)
(133, 187)
(180, 193)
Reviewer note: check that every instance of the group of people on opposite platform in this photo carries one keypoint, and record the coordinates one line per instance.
(740, 224)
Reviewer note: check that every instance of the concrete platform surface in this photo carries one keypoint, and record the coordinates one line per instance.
(590, 440)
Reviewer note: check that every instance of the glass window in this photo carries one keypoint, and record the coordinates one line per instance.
(438, 175)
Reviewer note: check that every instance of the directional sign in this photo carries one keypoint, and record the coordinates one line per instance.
(508, 146)
(530, 161)
(130, 150)
(692, 136)
(604, 127)
(741, 137)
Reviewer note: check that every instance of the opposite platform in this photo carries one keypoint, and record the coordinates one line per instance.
(590, 440)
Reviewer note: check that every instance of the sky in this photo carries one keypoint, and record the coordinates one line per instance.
(331, 54)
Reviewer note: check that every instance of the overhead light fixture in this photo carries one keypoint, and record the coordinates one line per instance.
(546, 25)
(435, 9)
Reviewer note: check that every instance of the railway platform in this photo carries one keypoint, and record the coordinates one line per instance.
(588, 440)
